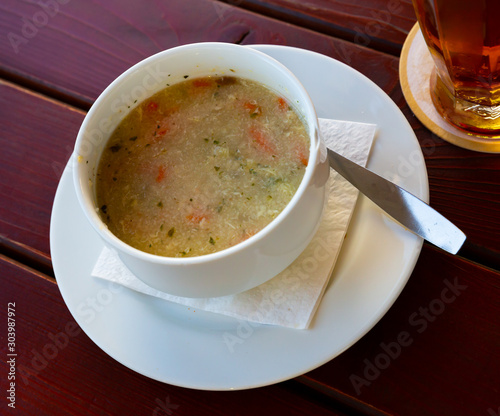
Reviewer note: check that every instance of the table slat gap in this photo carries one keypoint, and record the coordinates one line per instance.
(481, 255)
(41, 87)
(337, 399)
(359, 35)
(15, 262)
(27, 256)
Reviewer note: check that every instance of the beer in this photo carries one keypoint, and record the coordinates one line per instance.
(463, 37)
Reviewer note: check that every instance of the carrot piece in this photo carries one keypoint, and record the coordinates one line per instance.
(152, 106)
(282, 104)
(196, 217)
(302, 155)
(303, 158)
(162, 132)
(252, 108)
(258, 137)
(161, 173)
(249, 105)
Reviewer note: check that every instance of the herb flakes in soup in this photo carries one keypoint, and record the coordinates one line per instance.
(201, 166)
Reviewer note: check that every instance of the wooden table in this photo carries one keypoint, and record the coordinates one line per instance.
(56, 56)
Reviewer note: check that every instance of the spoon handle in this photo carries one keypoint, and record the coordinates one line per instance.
(404, 207)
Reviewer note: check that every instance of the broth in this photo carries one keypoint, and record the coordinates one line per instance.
(201, 166)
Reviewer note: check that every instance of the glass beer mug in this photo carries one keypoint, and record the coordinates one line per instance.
(463, 37)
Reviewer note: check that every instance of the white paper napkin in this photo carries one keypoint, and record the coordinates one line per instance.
(291, 298)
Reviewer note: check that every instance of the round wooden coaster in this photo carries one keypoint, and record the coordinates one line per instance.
(415, 67)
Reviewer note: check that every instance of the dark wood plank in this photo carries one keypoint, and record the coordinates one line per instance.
(436, 350)
(378, 24)
(60, 371)
(79, 50)
(26, 254)
(37, 138)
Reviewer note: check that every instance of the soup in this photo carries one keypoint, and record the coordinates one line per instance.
(201, 166)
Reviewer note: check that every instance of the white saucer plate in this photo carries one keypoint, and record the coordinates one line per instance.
(201, 350)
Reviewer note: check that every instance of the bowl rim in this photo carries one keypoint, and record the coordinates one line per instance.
(314, 149)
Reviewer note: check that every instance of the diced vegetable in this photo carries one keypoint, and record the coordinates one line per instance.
(252, 108)
(282, 104)
(161, 173)
(152, 106)
(197, 217)
(259, 138)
